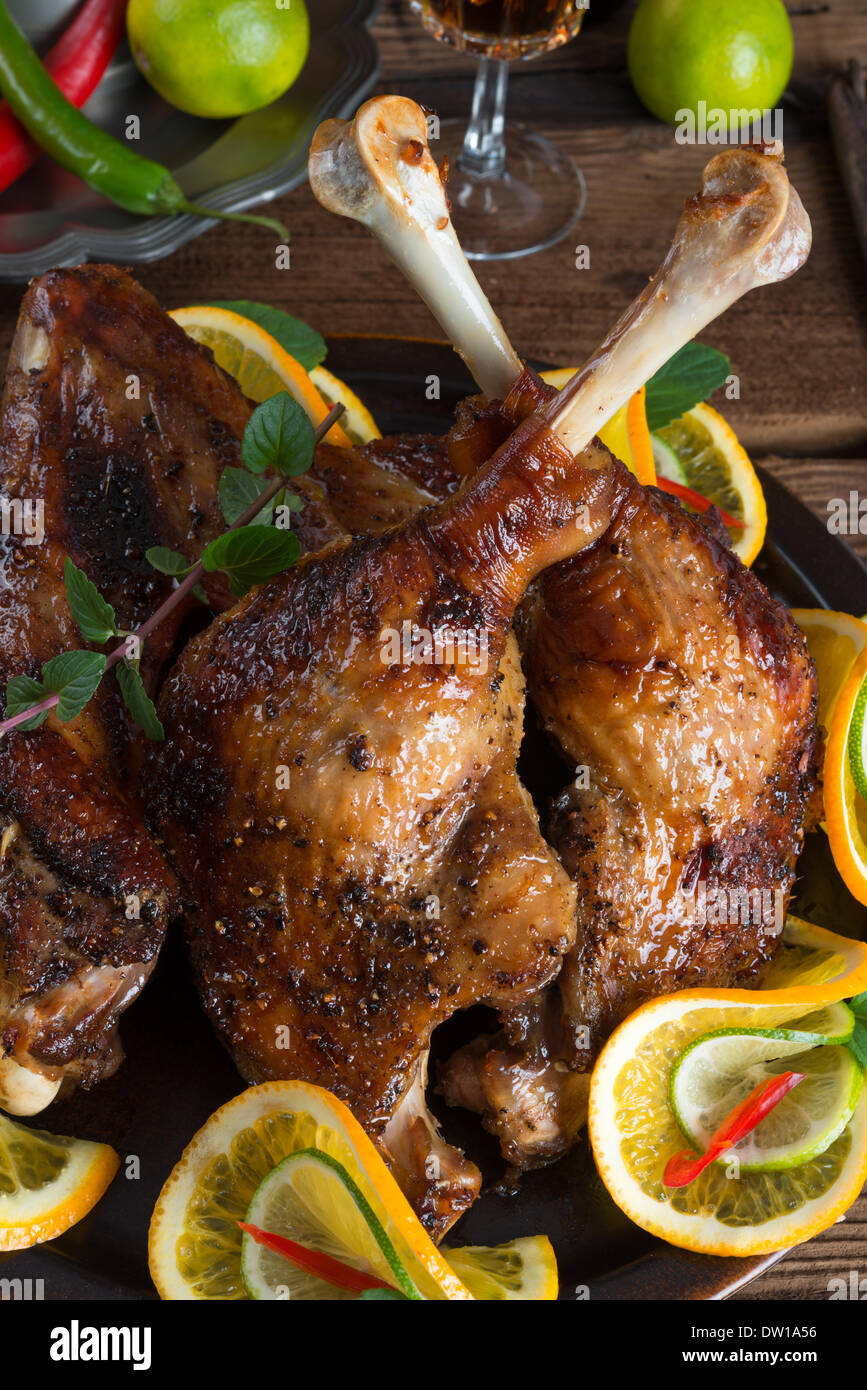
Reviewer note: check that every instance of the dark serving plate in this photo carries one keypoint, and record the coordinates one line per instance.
(176, 1073)
(50, 218)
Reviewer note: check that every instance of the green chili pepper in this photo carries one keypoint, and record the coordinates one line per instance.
(136, 184)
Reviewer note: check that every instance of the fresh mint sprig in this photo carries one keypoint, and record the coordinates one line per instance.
(297, 338)
(690, 376)
(246, 552)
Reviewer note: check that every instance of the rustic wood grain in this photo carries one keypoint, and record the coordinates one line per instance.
(799, 349)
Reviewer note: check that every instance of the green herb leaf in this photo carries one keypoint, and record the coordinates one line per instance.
(74, 676)
(94, 617)
(858, 1040)
(238, 491)
(138, 702)
(251, 555)
(168, 561)
(690, 376)
(21, 693)
(280, 436)
(304, 343)
(382, 1296)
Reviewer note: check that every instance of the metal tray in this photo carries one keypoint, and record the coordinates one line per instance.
(50, 218)
(176, 1073)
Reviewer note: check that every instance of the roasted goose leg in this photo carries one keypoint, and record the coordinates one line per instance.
(362, 857)
(118, 426)
(678, 689)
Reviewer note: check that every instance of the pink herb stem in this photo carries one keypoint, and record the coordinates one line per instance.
(186, 584)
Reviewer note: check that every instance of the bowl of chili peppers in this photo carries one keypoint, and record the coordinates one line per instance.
(95, 165)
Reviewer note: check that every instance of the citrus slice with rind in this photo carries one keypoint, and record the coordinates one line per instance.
(47, 1183)
(716, 465)
(258, 363)
(357, 420)
(715, 1073)
(519, 1271)
(845, 807)
(195, 1243)
(835, 641)
(634, 1132)
(311, 1198)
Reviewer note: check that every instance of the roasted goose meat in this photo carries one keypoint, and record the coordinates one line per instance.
(362, 858)
(677, 688)
(119, 426)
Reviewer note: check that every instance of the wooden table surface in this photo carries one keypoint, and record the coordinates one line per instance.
(799, 349)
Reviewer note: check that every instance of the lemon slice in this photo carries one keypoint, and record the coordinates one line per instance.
(195, 1242)
(47, 1183)
(715, 463)
(813, 967)
(357, 421)
(634, 1132)
(625, 434)
(835, 641)
(258, 363)
(522, 1270)
(716, 1073)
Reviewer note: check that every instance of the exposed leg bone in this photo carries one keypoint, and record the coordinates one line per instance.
(745, 228)
(379, 171)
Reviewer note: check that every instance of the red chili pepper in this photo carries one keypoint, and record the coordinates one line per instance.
(77, 64)
(695, 499)
(314, 1262)
(685, 1166)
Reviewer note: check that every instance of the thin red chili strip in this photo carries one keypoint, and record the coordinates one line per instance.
(77, 64)
(314, 1262)
(685, 1166)
(695, 499)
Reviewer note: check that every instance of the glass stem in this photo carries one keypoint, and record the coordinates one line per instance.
(484, 151)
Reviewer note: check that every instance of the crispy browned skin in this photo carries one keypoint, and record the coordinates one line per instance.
(362, 856)
(683, 695)
(121, 425)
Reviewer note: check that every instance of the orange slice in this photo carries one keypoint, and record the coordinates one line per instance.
(195, 1244)
(47, 1183)
(845, 807)
(258, 363)
(634, 1132)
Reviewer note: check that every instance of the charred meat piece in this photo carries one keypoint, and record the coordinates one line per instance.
(116, 426)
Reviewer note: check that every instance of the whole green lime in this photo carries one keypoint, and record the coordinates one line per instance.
(731, 54)
(219, 57)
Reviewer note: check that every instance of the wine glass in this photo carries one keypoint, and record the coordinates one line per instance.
(511, 191)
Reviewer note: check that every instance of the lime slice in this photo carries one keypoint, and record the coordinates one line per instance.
(718, 1071)
(856, 746)
(311, 1198)
(667, 464)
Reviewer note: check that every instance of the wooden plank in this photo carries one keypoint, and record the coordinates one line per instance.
(816, 481)
(806, 1271)
(826, 34)
(799, 349)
